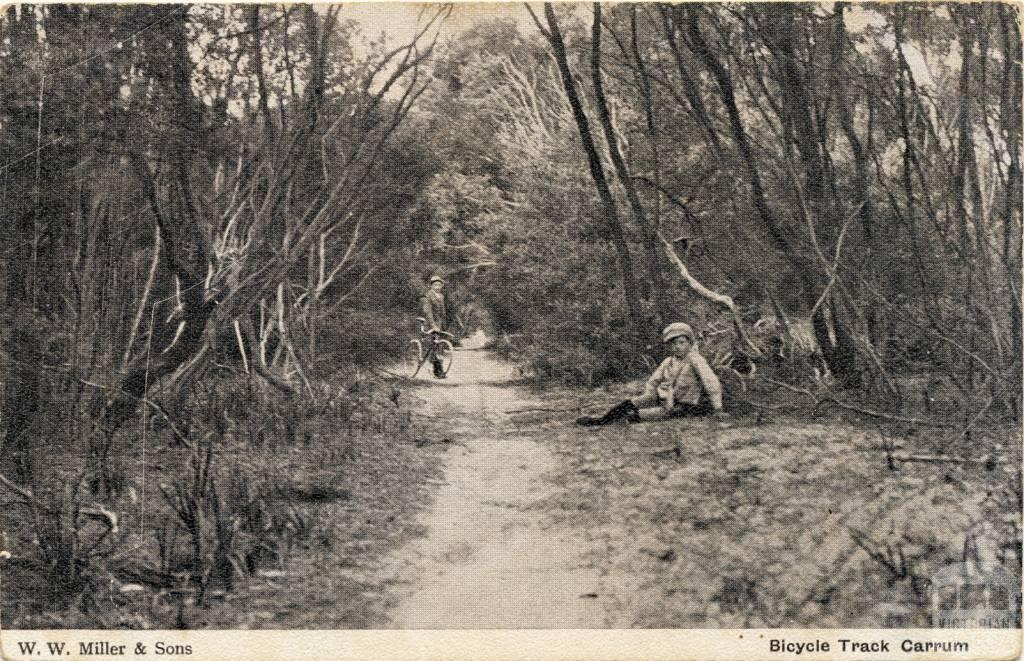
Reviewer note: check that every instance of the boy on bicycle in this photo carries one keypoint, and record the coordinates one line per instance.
(434, 307)
(683, 385)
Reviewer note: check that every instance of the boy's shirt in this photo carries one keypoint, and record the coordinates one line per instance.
(435, 310)
(682, 380)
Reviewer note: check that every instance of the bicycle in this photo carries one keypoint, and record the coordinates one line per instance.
(440, 347)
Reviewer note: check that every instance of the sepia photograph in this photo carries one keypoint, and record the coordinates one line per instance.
(511, 316)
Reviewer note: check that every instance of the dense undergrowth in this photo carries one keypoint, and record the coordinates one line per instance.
(210, 505)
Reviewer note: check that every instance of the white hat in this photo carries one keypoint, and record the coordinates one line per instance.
(678, 329)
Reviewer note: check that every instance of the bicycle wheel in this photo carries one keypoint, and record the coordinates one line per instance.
(443, 349)
(414, 357)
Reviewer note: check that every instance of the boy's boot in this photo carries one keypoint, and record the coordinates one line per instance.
(623, 411)
(627, 411)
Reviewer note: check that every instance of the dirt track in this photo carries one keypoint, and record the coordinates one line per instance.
(688, 523)
(490, 557)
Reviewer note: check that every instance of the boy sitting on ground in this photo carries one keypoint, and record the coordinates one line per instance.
(683, 385)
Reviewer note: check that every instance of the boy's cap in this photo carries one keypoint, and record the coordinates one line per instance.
(436, 278)
(678, 329)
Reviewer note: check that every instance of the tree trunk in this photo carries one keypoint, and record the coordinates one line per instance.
(186, 252)
(877, 326)
(838, 348)
(650, 239)
(1013, 87)
(778, 235)
(257, 67)
(610, 213)
(690, 91)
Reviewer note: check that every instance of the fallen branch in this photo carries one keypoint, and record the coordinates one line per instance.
(828, 399)
(883, 416)
(721, 299)
(948, 460)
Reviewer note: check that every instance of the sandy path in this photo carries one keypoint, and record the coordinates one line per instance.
(690, 523)
(491, 558)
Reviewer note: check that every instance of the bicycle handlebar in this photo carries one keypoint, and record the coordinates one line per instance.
(425, 330)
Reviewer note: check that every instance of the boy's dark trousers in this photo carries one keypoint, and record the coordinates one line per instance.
(435, 361)
(626, 410)
(630, 411)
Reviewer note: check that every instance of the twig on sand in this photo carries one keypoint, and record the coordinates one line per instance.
(951, 460)
(923, 458)
(544, 410)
